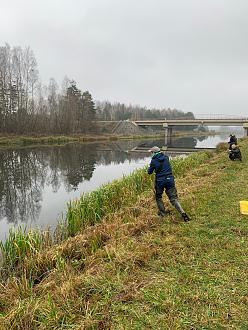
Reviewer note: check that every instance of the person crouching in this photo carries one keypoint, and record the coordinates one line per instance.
(164, 180)
(235, 153)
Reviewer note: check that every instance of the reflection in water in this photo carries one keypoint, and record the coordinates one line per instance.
(36, 183)
(187, 142)
(24, 174)
(21, 181)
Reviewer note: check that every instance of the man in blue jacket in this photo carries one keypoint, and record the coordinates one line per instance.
(164, 180)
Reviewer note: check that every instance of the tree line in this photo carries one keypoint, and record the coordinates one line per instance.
(119, 111)
(27, 106)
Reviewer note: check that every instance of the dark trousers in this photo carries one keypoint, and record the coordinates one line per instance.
(235, 155)
(169, 187)
(171, 192)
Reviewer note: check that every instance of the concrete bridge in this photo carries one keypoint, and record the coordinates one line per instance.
(192, 122)
(138, 126)
(168, 124)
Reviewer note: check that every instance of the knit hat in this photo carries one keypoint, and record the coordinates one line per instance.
(154, 149)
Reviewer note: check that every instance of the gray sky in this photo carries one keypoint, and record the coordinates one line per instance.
(187, 54)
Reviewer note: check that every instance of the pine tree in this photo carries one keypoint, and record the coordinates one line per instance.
(89, 111)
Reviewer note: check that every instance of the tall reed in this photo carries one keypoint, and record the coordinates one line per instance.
(92, 207)
(21, 244)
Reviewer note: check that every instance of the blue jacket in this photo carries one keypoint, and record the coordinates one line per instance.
(161, 165)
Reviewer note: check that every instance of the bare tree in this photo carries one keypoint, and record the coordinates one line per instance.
(27, 106)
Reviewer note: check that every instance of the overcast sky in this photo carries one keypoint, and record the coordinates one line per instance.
(187, 54)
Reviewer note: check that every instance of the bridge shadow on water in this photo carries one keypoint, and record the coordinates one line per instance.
(175, 145)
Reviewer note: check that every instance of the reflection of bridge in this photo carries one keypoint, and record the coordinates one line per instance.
(173, 150)
(168, 124)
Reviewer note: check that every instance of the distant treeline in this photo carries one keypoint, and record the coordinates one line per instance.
(27, 106)
(120, 111)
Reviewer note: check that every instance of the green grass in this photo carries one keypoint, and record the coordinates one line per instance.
(22, 244)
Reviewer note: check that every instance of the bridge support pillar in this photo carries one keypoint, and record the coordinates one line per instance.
(167, 135)
(245, 126)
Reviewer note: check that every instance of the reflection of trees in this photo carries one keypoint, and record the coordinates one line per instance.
(77, 163)
(25, 172)
(22, 176)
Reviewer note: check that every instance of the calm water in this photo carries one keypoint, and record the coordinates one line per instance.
(37, 183)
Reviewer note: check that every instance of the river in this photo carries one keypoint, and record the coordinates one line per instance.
(36, 183)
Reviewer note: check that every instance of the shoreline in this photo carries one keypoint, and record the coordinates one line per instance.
(20, 141)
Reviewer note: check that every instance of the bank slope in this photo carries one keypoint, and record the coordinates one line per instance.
(138, 271)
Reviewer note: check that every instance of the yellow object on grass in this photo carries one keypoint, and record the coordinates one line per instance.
(243, 207)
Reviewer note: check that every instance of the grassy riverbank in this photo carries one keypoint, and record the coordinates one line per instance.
(13, 140)
(130, 269)
(23, 141)
(48, 140)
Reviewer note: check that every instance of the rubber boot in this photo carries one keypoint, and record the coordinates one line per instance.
(178, 206)
(185, 217)
(161, 209)
(181, 210)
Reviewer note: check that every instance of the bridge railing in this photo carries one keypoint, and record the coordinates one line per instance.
(219, 116)
(199, 117)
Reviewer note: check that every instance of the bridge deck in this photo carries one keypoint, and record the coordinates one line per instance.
(192, 122)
